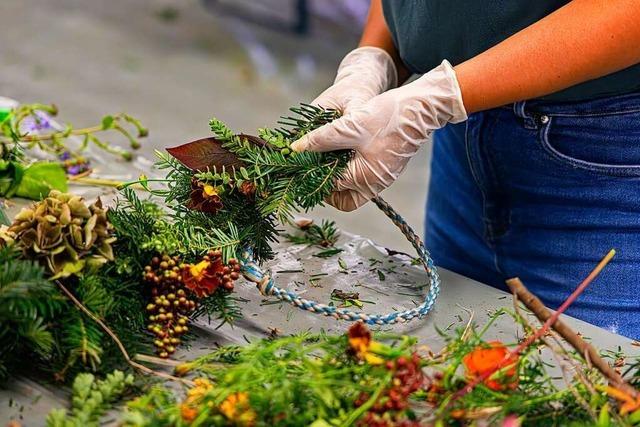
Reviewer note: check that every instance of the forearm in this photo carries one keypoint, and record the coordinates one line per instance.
(581, 41)
(376, 33)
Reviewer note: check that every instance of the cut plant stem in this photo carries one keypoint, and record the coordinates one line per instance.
(102, 182)
(115, 339)
(509, 358)
(586, 350)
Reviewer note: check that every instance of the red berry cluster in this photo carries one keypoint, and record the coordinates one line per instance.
(390, 409)
(171, 303)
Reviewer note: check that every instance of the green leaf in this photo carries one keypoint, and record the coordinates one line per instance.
(40, 178)
(604, 420)
(381, 276)
(244, 173)
(107, 122)
(328, 253)
(11, 174)
(70, 268)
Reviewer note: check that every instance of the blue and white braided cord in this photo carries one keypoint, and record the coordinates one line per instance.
(252, 272)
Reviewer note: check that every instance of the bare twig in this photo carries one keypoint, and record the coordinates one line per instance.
(586, 350)
(561, 356)
(513, 354)
(115, 339)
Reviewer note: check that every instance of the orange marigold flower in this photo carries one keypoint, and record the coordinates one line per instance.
(236, 408)
(362, 345)
(188, 413)
(189, 408)
(483, 360)
(203, 278)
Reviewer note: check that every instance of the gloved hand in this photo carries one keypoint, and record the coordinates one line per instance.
(386, 132)
(364, 73)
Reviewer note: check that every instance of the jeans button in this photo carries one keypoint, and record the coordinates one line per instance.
(544, 119)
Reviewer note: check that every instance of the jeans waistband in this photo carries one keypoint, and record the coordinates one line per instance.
(593, 107)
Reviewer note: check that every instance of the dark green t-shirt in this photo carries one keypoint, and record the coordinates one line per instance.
(427, 31)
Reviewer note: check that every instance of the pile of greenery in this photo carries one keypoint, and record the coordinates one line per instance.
(86, 270)
(387, 380)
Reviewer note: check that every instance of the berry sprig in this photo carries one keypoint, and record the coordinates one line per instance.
(170, 305)
(176, 289)
(391, 409)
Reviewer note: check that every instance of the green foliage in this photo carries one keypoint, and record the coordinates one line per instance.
(28, 301)
(27, 127)
(90, 400)
(283, 182)
(145, 230)
(289, 381)
(326, 234)
(539, 397)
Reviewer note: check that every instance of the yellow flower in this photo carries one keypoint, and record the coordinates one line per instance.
(197, 270)
(236, 408)
(209, 190)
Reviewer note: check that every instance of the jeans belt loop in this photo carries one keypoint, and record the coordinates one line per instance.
(529, 120)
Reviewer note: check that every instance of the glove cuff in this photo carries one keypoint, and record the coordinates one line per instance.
(369, 64)
(459, 113)
(441, 87)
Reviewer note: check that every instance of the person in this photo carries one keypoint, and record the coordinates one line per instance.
(536, 151)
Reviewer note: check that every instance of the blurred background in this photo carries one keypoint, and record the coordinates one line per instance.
(176, 63)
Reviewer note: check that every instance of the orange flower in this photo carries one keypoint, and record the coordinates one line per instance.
(189, 408)
(236, 408)
(204, 277)
(628, 403)
(188, 413)
(362, 345)
(483, 360)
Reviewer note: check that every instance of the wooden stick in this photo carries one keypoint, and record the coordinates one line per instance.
(586, 350)
(513, 354)
(115, 339)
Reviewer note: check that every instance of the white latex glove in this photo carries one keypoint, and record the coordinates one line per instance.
(364, 73)
(386, 132)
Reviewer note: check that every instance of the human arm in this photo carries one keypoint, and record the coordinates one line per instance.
(583, 40)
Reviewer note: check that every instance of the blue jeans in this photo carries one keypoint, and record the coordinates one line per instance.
(542, 191)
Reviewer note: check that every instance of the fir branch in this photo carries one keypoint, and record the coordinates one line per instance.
(28, 302)
(325, 235)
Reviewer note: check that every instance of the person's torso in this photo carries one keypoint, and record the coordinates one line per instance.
(427, 31)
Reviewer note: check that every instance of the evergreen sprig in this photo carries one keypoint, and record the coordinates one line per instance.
(28, 302)
(283, 182)
(326, 234)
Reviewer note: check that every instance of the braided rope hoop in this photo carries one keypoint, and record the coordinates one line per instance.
(252, 272)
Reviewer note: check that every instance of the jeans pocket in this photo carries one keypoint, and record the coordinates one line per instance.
(606, 143)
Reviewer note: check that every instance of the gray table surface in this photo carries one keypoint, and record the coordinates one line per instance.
(404, 285)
